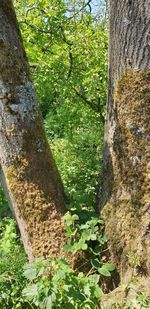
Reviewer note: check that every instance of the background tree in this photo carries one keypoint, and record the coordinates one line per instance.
(29, 172)
(124, 191)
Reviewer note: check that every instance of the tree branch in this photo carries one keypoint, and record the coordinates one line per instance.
(88, 3)
(90, 103)
(70, 51)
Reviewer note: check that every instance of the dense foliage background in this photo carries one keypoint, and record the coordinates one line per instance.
(66, 42)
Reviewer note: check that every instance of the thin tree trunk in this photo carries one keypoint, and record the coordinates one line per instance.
(124, 195)
(29, 172)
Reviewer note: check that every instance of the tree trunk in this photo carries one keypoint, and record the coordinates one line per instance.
(124, 195)
(29, 172)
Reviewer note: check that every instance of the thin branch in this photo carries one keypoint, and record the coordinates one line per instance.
(88, 3)
(71, 63)
(64, 36)
(36, 28)
(70, 51)
(90, 103)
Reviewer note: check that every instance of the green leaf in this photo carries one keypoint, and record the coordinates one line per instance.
(75, 218)
(98, 292)
(94, 279)
(93, 236)
(87, 290)
(104, 272)
(66, 287)
(104, 238)
(30, 273)
(95, 263)
(68, 247)
(84, 227)
(31, 291)
(70, 219)
(109, 267)
(50, 301)
(80, 275)
(84, 247)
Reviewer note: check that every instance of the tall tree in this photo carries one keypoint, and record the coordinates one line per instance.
(29, 173)
(124, 193)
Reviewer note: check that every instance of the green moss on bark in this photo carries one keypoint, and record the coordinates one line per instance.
(126, 212)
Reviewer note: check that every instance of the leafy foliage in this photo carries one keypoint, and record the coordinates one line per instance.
(82, 235)
(78, 155)
(67, 49)
(12, 259)
(55, 285)
(144, 300)
(4, 209)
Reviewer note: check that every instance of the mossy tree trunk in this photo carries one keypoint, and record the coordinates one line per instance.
(124, 193)
(29, 172)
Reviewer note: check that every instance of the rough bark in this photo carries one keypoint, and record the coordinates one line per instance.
(124, 194)
(29, 173)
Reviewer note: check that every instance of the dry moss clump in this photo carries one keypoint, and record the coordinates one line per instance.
(38, 206)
